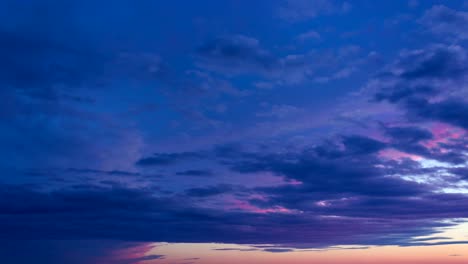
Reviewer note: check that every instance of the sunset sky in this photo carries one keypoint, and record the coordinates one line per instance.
(233, 132)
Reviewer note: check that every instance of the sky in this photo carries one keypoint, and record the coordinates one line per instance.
(256, 132)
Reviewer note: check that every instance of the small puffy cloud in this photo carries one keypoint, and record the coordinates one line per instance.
(236, 54)
(281, 111)
(309, 35)
(446, 22)
(301, 10)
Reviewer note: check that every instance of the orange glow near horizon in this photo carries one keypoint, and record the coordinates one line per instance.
(206, 254)
(216, 253)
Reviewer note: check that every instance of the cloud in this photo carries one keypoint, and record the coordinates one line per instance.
(428, 84)
(309, 35)
(110, 213)
(348, 178)
(236, 249)
(278, 250)
(413, 3)
(236, 54)
(165, 159)
(418, 141)
(209, 191)
(281, 111)
(146, 258)
(241, 55)
(94, 171)
(461, 172)
(446, 22)
(441, 62)
(333, 173)
(45, 69)
(301, 10)
(74, 251)
(408, 135)
(52, 73)
(196, 173)
(451, 111)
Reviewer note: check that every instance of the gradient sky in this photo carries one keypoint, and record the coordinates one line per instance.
(256, 132)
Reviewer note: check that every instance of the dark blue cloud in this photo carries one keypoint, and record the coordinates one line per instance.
(402, 92)
(71, 251)
(451, 111)
(237, 54)
(446, 22)
(164, 159)
(130, 214)
(408, 135)
(359, 145)
(209, 191)
(300, 10)
(51, 70)
(437, 63)
(236, 249)
(240, 55)
(461, 172)
(196, 173)
(112, 172)
(421, 76)
(278, 250)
